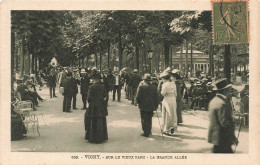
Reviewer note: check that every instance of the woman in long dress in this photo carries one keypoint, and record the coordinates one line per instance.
(95, 117)
(169, 114)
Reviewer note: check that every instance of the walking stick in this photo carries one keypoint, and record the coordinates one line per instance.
(159, 124)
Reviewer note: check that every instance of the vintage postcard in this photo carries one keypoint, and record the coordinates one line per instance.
(129, 82)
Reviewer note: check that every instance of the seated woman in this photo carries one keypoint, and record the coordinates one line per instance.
(18, 129)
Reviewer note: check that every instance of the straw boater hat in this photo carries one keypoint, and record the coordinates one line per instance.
(198, 83)
(221, 84)
(83, 71)
(135, 71)
(147, 77)
(209, 83)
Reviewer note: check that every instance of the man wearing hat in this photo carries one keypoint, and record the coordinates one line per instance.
(84, 81)
(134, 82)
(148, 100)
(117, 81)
(51, 80)
(221, 129)
(67, 84)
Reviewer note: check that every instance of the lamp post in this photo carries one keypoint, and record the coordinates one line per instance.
(150, 56)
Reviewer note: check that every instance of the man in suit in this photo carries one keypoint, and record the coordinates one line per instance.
(67, 84)
(148, 100)
(75, 83)
(84, 81)
(117, 81)
(134, 82)
(221, 129)
(52, 83)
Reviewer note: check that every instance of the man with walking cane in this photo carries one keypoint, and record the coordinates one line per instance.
(221, 129)
(148, 100)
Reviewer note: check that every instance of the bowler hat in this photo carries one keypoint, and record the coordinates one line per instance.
(147, 77)
(221, 84)
(96, 76)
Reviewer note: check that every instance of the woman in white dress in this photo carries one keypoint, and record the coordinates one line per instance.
(169, 114)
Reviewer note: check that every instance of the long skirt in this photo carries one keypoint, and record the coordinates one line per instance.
(179, 109)
(17, 127)
(169, 113)
(96, 129)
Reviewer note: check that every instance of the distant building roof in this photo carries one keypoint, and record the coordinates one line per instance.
(193, 51)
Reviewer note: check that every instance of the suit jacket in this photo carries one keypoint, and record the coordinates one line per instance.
(221, 128)
(135, 80)
(67, 84)
(75, 85)
(96, 99)
(51, 80)
(85, 82)
(147, 97)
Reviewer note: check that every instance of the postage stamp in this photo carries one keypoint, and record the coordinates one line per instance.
(230, 21)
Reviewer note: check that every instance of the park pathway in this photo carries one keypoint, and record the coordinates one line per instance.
(64, 132)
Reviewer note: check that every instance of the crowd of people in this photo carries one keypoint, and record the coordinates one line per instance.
(168, 93)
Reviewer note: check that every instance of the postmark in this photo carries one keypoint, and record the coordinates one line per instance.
(230, 22)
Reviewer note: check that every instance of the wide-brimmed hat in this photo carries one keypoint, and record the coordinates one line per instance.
(176, 75)
(164, 74)
(168, 69)
(175, 71)
(83, 71)
(135, 71)
(221, 84)
(147, 77)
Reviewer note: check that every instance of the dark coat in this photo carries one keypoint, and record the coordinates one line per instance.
(134, 81)
(221, 128)
(51, 80)
(84, 85)
(110, 82)
(97, 100)
(147, 97)
(67, 84)
(75, 85)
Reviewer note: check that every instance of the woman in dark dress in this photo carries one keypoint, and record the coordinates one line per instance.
(95, 116)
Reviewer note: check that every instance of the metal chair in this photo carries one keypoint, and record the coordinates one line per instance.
(24, 108)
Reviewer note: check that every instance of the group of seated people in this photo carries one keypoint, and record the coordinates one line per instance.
(25, 89)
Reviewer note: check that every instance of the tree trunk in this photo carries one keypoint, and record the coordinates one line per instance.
(166, 53)
(100, 62)
(191, 61)
(186, 59)
(12, 58)
(23, 52)
(181, 60)
(137, 56)
(227, 60)
(120, 49)
(96, 60)
(33, 60)
(171, 57)
(108, 54)
(36, 65)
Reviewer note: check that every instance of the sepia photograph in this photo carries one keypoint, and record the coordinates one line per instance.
(134, 84)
